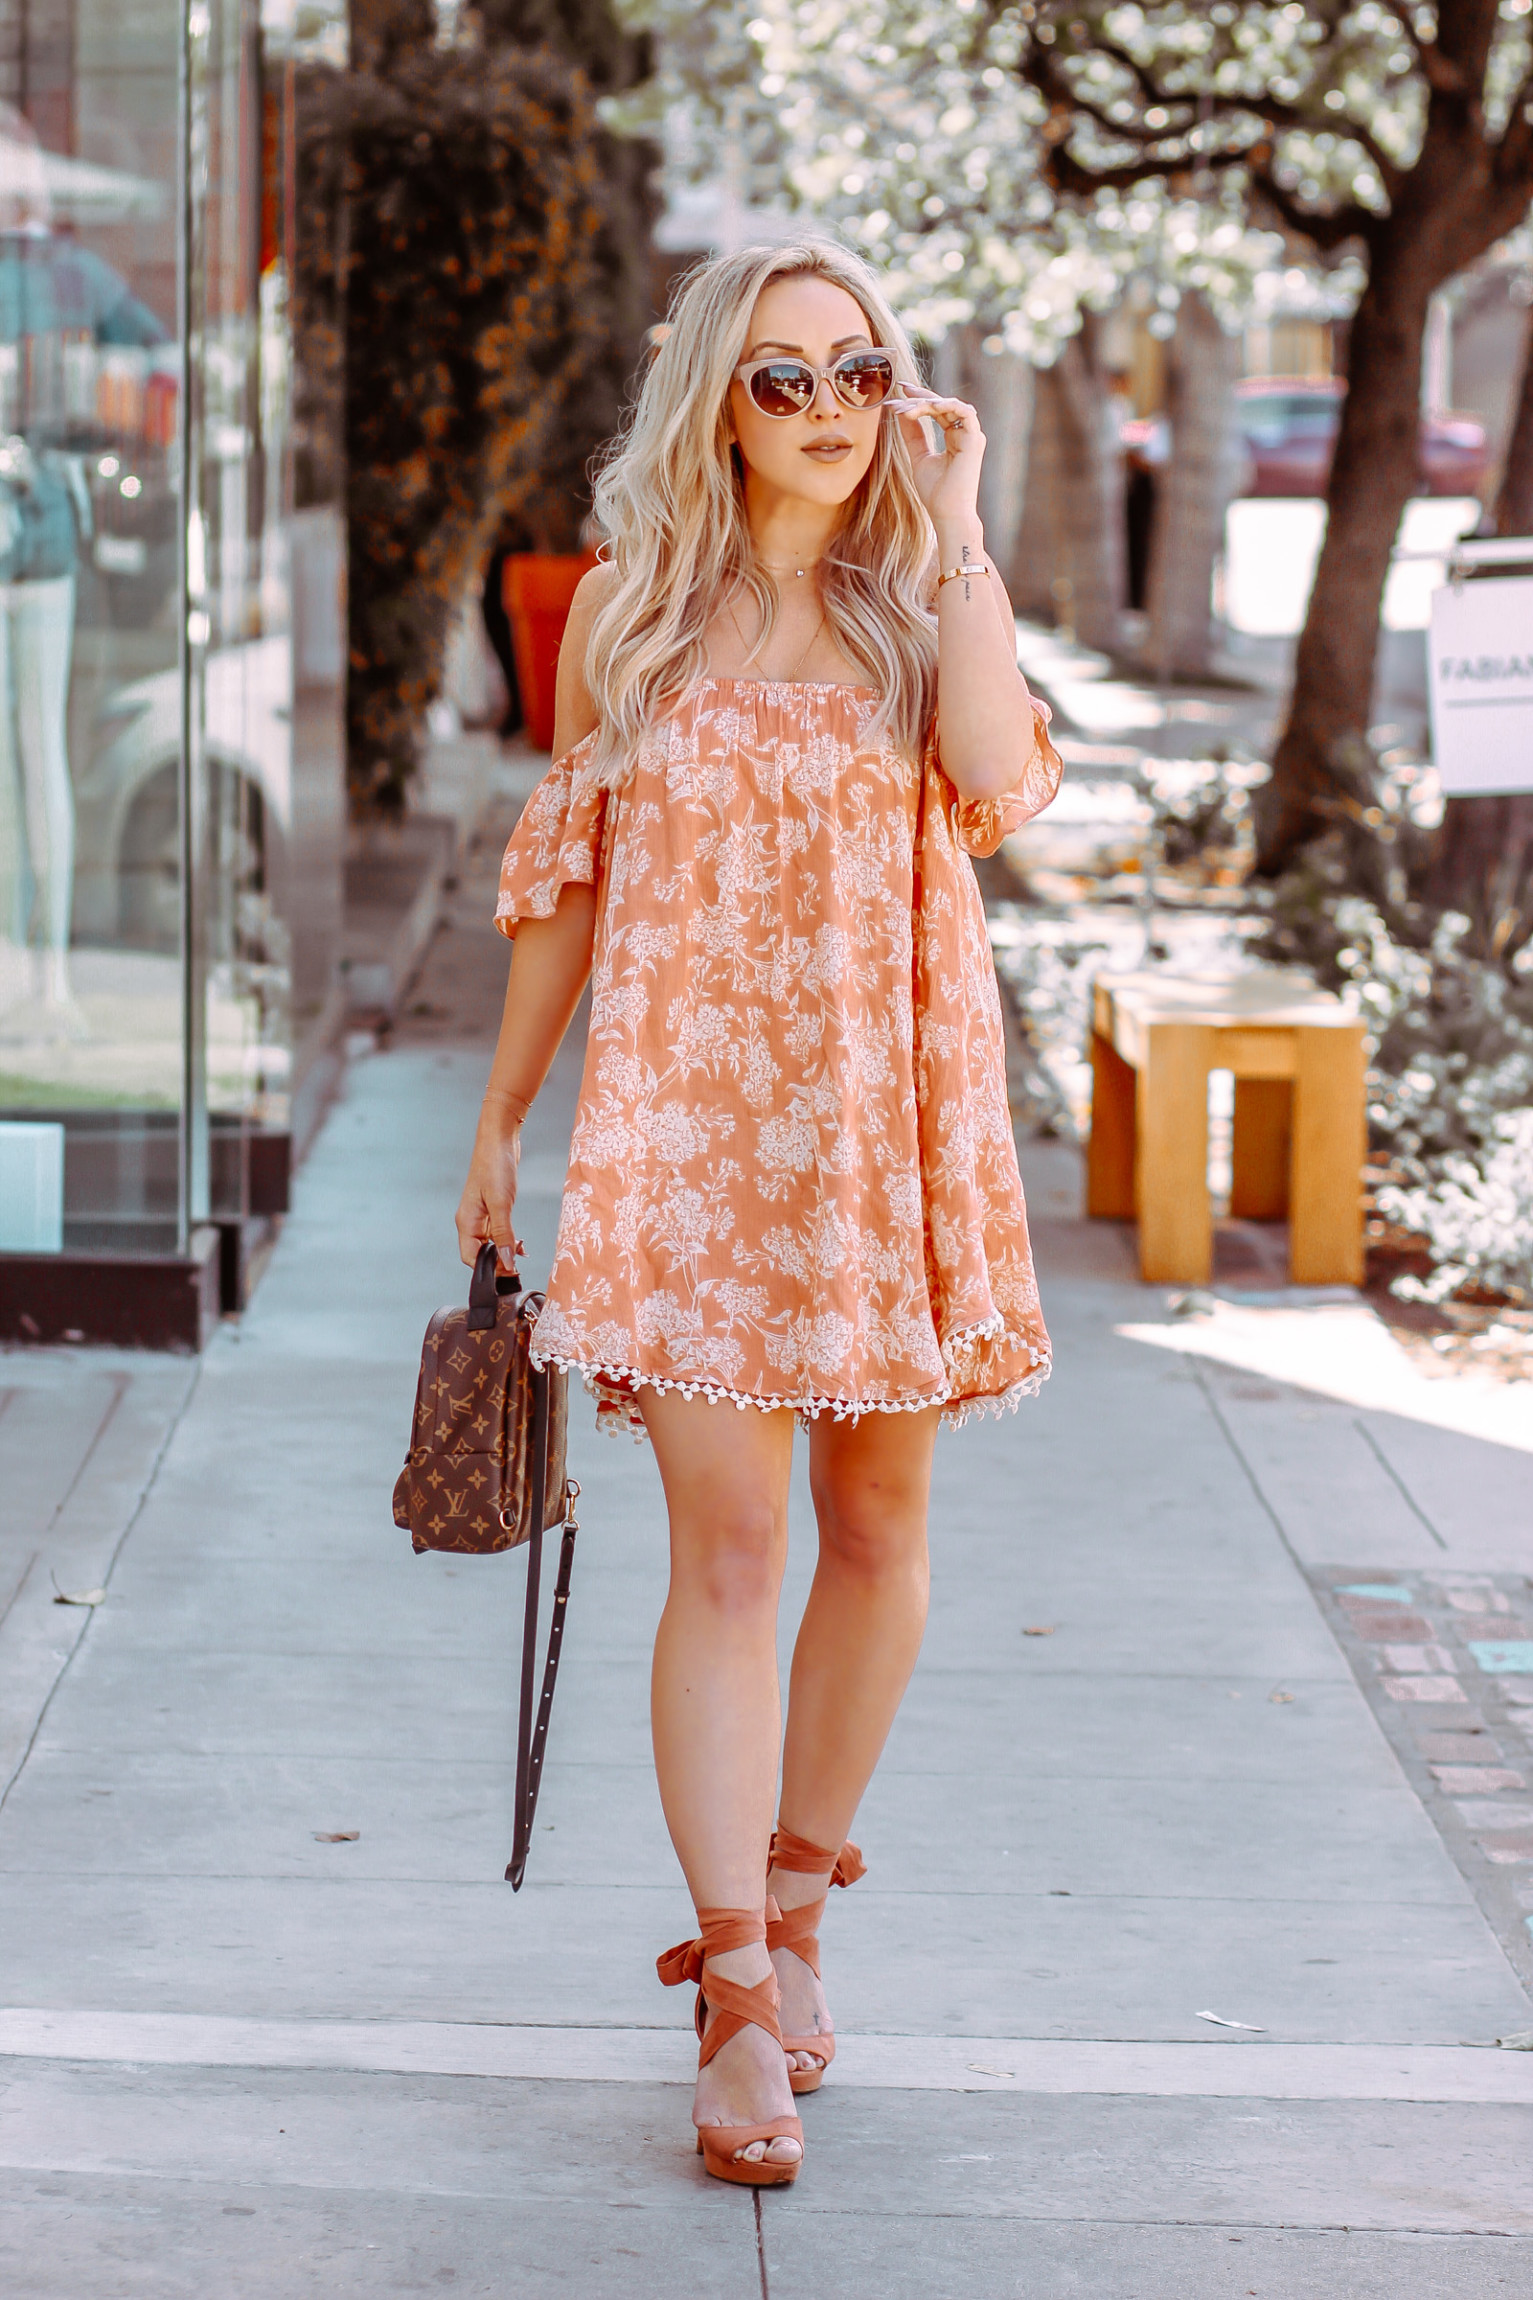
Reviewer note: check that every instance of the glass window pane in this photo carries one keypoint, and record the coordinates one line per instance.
(90, 691)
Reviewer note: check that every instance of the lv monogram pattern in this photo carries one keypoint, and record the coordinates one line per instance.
(467, 1480)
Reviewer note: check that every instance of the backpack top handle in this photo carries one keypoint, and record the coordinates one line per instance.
(486, 1286)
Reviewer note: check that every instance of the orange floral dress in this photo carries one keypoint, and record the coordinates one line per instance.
(792, 1180)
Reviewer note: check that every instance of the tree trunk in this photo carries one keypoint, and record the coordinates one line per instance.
(1091, 493)
(999, 386)
(1514, 500)
(1482, 862)
(1036, 556)
(1194, 492)
(1448, 210)
(1372, 479)
(1071, 546)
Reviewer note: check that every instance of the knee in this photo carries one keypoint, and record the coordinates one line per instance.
(734, 1563)
(874, 1530)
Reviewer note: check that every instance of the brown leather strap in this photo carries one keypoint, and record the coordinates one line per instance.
(801, 1859)
(799, 1930)
(531, 1738)
(734, 2006)
(718, 1931)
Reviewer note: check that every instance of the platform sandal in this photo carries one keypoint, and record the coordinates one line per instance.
(734, 2007)
(799, 1930)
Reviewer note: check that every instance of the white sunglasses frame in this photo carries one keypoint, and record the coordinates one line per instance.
(751, 367)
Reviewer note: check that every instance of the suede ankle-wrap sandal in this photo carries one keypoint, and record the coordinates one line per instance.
(734, 2007)
(799, 1930)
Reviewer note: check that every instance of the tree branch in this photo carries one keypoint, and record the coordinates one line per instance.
(1514, 154)
(1439, 72)
(1068, 174)
(1466, 30)
(1149, 86)
(1044, 69)
(1327, 231)
(1280, 115)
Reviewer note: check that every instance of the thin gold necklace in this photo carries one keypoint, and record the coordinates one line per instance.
(750, 651)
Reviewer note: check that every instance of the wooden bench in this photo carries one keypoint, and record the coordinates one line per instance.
(1300, 1117)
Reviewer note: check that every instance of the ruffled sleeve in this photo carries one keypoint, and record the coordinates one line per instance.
(979, 825)
(557, 841)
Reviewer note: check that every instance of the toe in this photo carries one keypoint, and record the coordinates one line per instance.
(755, 2153)
(783, 2151)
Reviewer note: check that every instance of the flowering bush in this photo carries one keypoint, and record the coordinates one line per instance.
(1049, 968)
(1476, 1215)
(1452, 1029)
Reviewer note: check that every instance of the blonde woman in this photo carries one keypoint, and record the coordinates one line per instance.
(788, 703)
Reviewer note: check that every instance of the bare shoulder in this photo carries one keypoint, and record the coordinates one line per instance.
(592, 592)
(575, 713)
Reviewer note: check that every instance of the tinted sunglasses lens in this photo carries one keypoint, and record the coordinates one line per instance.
(785, 388)
(864, 378)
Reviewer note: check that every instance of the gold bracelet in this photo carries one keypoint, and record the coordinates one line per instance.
(951, 574)
(517, 1106)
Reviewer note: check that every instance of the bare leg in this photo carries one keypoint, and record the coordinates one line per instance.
(715, 1704)
(856, 1648)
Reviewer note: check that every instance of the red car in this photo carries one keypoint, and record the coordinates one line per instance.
(1290, 427)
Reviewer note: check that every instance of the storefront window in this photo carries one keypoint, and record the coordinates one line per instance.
(154, 845)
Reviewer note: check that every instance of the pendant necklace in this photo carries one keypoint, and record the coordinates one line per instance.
(779, 572)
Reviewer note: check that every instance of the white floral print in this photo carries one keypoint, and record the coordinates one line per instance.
(792, 1180)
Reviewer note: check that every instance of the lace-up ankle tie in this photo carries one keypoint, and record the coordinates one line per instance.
(734, 2007)
(799, 1930)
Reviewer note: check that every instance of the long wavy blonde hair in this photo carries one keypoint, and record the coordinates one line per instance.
(672, 508)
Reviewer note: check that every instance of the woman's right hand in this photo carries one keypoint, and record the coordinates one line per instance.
(489, 1194)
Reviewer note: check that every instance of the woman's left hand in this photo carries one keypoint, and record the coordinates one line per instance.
(947, 483)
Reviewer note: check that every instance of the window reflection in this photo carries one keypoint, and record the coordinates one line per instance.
(146, 727)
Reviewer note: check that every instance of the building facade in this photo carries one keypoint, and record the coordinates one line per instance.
(171, 658)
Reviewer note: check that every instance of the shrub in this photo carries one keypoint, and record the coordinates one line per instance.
(1476, 1215)
(588, 35)
(1452, 1022)
(449, 215)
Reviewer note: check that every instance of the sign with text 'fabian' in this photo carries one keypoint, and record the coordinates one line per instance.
(1480, 673)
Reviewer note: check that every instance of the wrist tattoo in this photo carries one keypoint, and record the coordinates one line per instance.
(968, 567)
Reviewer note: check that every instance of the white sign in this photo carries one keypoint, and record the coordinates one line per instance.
(1480, 677)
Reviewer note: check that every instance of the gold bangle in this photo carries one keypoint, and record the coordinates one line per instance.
(951, 574)
(514, 1103)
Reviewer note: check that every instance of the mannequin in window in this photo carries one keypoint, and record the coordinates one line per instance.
(51, 290)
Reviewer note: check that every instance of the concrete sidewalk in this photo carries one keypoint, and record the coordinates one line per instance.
(245, 2061)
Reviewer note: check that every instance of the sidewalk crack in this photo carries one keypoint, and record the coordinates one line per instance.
(1390, 1471)
(760, 2246)
(1238, 1451)
(121, 1384)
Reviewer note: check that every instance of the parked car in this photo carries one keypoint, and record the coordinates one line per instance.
(1290, 426)
(127, 802)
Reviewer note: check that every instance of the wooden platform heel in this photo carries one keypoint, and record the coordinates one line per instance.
(733, 2008)
(799, 1930)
